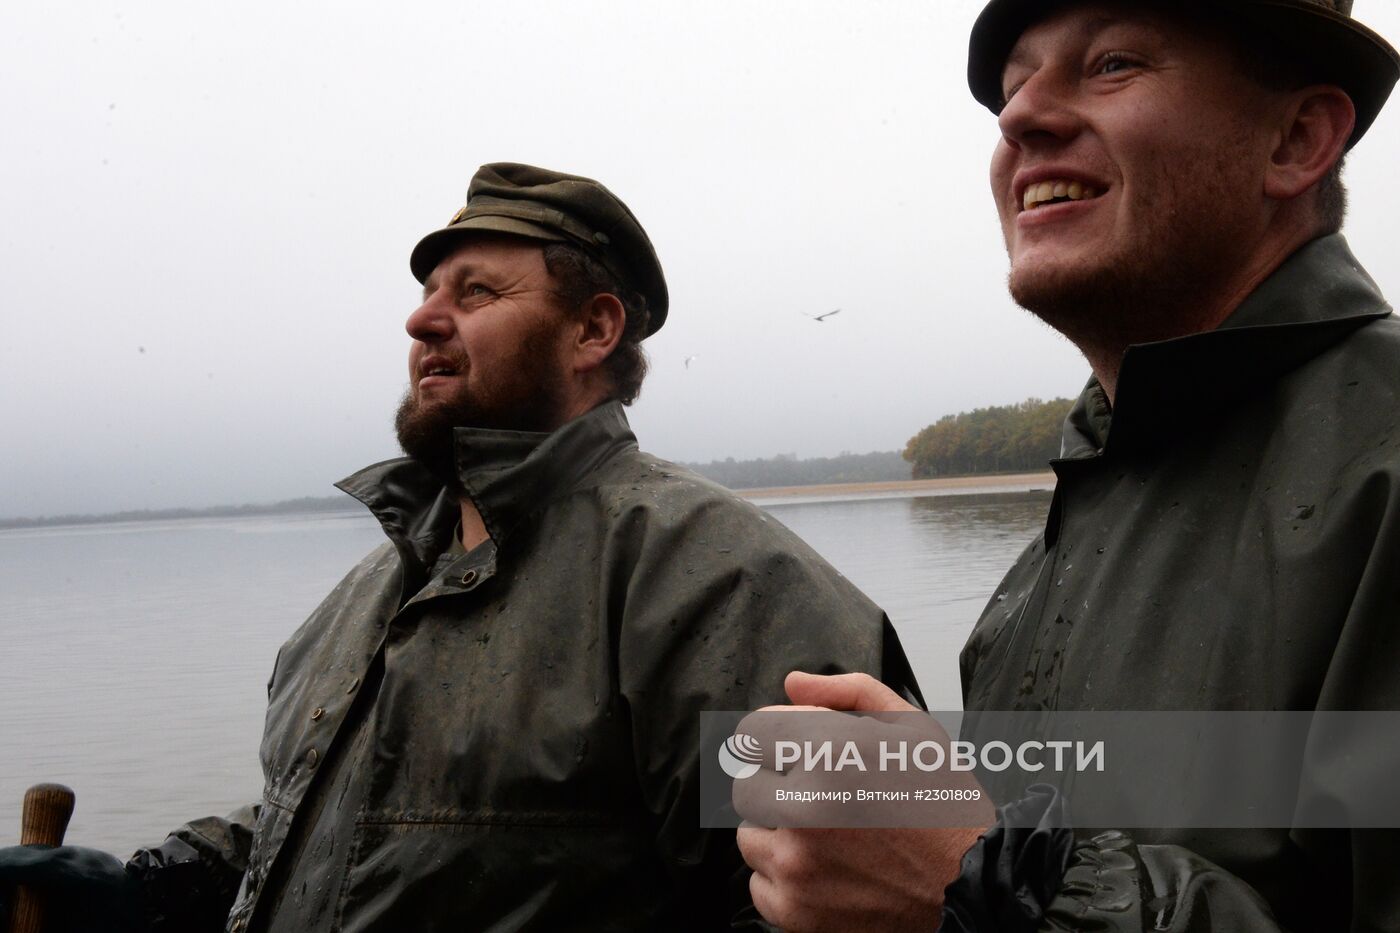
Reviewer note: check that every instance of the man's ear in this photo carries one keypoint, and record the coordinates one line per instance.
(1317, 125)
(600, 324)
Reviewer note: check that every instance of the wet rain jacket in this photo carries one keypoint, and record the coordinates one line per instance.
(1227, 537)
(509, 737)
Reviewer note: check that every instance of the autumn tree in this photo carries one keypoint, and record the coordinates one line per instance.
(999, 439)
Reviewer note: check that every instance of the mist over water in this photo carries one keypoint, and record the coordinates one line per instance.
(136, 656)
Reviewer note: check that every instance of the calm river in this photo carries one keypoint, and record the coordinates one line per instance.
(135, 656)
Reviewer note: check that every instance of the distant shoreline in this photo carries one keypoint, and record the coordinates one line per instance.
(943, 485)
(304, 505)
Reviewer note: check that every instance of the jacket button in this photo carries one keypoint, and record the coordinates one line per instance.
(312, 756)
(354, 685)
(317, 713)
(469, 578)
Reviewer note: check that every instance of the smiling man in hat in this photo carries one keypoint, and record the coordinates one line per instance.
(1225, 532)
(492, 723)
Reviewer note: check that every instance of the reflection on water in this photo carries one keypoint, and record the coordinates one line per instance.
(931, 563)
(136, 655)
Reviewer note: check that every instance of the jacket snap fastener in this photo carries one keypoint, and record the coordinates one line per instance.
(354, 685)
(317, 713)
(469, 578)
(312, 756)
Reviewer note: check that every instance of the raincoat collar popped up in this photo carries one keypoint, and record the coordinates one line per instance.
(1315, 299)
(509, 475)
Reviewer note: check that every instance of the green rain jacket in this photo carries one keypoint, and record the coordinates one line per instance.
(508, 739)
(1227, 537)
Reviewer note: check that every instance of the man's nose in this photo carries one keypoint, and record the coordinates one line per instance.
(1041, 112)
(431, 322)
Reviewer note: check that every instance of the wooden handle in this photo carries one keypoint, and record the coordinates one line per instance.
(47, 809)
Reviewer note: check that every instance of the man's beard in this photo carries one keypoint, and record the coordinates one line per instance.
(528, 395)
(1121, 303)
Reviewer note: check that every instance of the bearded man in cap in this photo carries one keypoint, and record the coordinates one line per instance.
(1225, 531)
(492, 722)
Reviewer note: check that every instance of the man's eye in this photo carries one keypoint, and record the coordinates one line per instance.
(475, 290)
(1010, 88)
(1114, 62)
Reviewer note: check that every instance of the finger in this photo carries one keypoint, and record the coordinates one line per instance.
(756, 846)
(843, 692)
(770, 901)
(754, 798)
(749, 724)
(772, 724)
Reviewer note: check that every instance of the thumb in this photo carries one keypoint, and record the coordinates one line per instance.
(842, 692)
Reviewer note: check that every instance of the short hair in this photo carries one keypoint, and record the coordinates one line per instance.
(1283, 66)
(578, 277)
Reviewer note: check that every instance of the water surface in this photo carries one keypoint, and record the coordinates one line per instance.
(136, 655)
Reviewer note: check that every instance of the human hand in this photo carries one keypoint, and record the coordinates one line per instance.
(83, 889)
(844, 692)
(814, 880)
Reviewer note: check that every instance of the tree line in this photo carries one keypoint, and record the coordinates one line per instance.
(788, 470)
(999, 439)
(1007, 438)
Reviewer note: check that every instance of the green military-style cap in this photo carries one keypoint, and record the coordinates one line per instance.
(507, 197)
(1318, 34)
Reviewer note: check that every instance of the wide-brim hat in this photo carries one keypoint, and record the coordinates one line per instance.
(1322, 34)
(541, 204)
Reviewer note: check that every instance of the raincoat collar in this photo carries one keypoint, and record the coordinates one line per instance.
(508, 475)
(1317, 297)
(512, 474)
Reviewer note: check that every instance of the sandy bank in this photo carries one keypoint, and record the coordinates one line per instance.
(945, 485)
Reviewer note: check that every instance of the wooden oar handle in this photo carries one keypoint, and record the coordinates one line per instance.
(47, 809)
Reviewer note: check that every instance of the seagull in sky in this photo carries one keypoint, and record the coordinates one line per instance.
(688, 359)
(822, 317)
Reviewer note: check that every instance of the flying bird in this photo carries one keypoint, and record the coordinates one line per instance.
(822, 317)
(689, 358)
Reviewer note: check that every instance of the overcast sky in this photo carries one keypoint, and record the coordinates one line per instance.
(208, 211)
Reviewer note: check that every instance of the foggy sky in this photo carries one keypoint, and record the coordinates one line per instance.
(208, 211)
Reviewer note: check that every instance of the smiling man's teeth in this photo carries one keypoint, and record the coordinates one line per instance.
(1047, 191)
